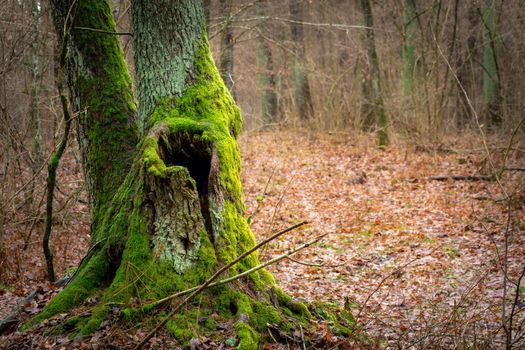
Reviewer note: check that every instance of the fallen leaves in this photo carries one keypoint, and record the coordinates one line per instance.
(381, 211)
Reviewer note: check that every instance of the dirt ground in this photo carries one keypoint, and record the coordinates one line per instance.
(420, 262)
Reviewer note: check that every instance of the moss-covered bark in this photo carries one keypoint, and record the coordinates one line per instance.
(101, 94)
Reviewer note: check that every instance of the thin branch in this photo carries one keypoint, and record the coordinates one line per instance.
(464, 178)
(245, 273)
(316, 265)
(339, 26)
(383, 280)
(102, 31)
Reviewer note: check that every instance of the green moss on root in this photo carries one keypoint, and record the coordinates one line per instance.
(248, 337)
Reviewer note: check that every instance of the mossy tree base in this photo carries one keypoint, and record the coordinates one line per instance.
(177, 217)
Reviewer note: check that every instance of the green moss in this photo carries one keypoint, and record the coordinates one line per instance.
(209, 324)
(248, 337)
(180, 330)
(104, 91)
(152, 161)
(340, 321)
(263, 314)
(98, 314)
(298, 308)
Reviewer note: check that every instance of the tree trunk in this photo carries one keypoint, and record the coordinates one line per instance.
(303, 96)
(269, 110)
(179, 213)
(409, 50)
(101, 94)
(36, 74)
(207, 12)
(466, 66)
(374, 95)
(491, 91)
(226, 58)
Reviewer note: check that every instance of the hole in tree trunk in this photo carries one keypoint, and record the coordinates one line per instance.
(190, 151)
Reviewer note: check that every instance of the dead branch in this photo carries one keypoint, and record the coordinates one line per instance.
(463, 178)
(245, 273)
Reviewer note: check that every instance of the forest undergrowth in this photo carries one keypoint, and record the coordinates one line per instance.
(418, 261)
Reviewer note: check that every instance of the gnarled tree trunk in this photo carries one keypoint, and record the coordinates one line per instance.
(178, 213)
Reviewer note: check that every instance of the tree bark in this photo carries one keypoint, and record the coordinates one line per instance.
(269, 108)
(227, 45)
(491, 91)
(303, 96)
(374, 95)
(101, 94)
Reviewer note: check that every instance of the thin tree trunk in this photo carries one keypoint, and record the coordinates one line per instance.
(269, 110)
(491, 86)
(466, 65)
(303, 96)
(36, 128)
(374, 74)
(409, 50)
(53, 166)
(227, 45)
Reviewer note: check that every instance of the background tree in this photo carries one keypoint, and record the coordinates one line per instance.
(227, 45)
(374, 95)
(491, 88)
(269, 110)
(303, 97)
(409, 49)
(36, 82)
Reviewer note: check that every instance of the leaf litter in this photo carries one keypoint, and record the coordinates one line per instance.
(418, 262)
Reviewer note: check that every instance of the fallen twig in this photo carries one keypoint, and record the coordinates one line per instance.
(464, 178)
(12, 318)
(245, 273)
(314, 264)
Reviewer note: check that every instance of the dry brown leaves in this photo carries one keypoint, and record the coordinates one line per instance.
(415, 259)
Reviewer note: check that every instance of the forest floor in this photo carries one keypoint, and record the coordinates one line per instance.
(420, 262)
